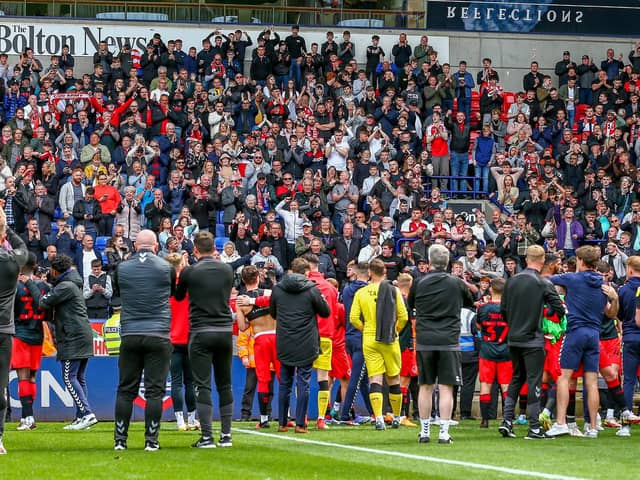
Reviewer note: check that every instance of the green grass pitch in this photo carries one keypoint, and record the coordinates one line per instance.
(49, 452)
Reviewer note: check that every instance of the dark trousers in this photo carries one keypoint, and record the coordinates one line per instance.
(468, 388)
(181, 375)
(630, 363)
(249, 393)
(527, 368)
(75, 380)
(152, 355)
(6, 343)
(359, 380)
(215, 349)
(105, 226)
(302, 376)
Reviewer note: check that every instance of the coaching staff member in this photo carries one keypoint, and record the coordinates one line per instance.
(523, 300)
(145, 282)
(295, 302)
(208, 284)
(11, 262)
(437, 299)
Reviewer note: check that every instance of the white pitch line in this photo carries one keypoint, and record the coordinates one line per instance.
(424, 458)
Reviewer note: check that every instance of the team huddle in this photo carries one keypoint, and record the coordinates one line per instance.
(539, 333)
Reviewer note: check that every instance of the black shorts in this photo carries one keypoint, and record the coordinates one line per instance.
(439, 366)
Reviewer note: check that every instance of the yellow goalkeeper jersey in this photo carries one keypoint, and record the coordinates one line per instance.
(363, 310)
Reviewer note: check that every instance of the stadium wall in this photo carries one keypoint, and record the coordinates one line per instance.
(511, 52)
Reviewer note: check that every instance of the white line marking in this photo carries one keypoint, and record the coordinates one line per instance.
(425, 458)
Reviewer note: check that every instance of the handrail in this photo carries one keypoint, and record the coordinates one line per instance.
(203, 12)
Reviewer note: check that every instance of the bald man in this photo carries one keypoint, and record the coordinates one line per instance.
(146, 282)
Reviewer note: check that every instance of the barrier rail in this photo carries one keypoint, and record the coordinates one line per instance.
(217, 13)
(474, 193)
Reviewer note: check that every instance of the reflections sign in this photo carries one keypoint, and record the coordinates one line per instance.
(604, 17)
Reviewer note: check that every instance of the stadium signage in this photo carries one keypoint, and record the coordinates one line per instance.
(14, 38)
(602, 17)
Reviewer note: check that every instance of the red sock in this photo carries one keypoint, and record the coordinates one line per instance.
(34, 389)
(24, 388)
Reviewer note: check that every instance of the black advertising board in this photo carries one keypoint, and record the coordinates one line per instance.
(602, 17)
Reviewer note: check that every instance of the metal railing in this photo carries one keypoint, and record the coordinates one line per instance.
(219, 13)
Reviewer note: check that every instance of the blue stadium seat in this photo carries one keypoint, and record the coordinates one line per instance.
(220, 231)
(54, 229)
(220, 241)
(220, 215)
(101, 243)
(57, 213)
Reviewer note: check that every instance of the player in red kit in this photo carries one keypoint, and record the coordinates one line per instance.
(27, 343)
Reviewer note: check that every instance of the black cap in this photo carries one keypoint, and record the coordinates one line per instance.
(375, 218)
(566, 52)
(265, 244)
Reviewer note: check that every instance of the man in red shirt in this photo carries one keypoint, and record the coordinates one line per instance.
(415, 226)
(326, 328)
(109, 199)
(437, 137)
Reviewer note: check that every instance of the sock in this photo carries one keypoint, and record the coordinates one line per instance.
(444, 428)
(546, 411)
(551, 398)
(323, 398)
(26, 398)
(485, 401)
(616, 394)
(544, 393)
(610, 413)
(405, 401)
(375, 396)
(571, 408)
(179, 418)
(192, 417)
(395, 399)
(34, 390)
(263, 403)
(336, 406)
(425, 427)
(523, 404)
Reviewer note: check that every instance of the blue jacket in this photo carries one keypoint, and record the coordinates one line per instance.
(627, 311)
(348, 293)
(585, 300)
(468, 84)
(484, 150)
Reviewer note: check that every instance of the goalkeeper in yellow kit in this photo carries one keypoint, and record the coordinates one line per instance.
(379, 311)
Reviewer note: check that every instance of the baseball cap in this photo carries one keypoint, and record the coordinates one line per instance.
(375, 218)
(566, 52)
(306, 223)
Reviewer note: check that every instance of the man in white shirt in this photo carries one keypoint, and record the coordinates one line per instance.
(372, 250)
(337, 151)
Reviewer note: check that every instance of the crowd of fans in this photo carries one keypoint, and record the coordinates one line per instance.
(282, 148)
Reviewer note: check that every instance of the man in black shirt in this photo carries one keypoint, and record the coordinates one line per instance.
(208, 284)
(145, 283)
(521, 305)
(295, 303)
(438, 298)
